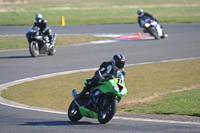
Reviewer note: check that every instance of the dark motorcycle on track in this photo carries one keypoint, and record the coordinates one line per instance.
(39, 43)
(153, 28)
(101, 102)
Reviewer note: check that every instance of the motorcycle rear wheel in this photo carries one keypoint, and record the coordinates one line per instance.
(106, 116)
(73, 112)
(34, 48)
(52, 51)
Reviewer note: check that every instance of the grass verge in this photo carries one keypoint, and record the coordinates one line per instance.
(22, 12)
(14, 42)
(142, 82)
(182, 103)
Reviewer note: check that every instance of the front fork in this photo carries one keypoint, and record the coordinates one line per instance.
(105, 107)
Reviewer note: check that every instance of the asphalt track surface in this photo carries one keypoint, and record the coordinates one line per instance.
(183, 42)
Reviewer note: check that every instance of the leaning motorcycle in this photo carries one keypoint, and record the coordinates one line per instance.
(101, 102)
(40, 44)
(154, 28)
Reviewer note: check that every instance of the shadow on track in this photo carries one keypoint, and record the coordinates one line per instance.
(16, 57)
(22, 57)
(56, 123)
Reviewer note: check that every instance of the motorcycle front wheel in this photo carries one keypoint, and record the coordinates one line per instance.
(34, 48)
(107, 110)
(73, 112)
(154, 33)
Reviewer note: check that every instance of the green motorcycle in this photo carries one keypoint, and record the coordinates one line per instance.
(101, 102)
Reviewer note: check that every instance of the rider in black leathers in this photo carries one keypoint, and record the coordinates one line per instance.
(108, 70)
(142, 16)
(44, 29)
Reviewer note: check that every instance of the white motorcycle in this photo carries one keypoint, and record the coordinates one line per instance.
(154, 28)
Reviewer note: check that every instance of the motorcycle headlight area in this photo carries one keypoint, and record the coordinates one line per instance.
(116, 88)
(147, 24)
(123, 92)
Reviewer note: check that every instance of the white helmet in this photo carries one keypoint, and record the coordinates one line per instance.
(38, 17)
(140, 11)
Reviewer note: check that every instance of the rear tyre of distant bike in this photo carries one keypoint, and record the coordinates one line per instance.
(73, 112)
(52, 51)
(163, 34)
(34, 48)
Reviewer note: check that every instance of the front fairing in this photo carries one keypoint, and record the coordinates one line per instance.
(144, 20)
(153, 23)
(33, 32)
(157, 26)
(113, 87)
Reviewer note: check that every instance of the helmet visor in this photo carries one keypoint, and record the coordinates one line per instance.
(120, 64)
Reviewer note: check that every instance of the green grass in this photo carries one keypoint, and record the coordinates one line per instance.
(11, 42)
(16, 42)
(182, 103)
(142, 81)
(98, 11)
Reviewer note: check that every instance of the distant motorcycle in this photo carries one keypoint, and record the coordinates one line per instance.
(40, 44)
(153, 28)
(101, 102)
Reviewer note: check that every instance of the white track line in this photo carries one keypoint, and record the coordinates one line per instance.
(83, 70)
(156, 120)
(33, 109)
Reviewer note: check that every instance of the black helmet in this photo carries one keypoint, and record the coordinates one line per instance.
(118, 61)
(140, 11)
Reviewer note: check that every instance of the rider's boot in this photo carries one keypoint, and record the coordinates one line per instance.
(52, 44)
(51, 41)
(79, 96)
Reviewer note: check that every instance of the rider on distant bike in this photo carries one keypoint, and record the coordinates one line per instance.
(44, 29)
(108, 70)
(142, 16)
